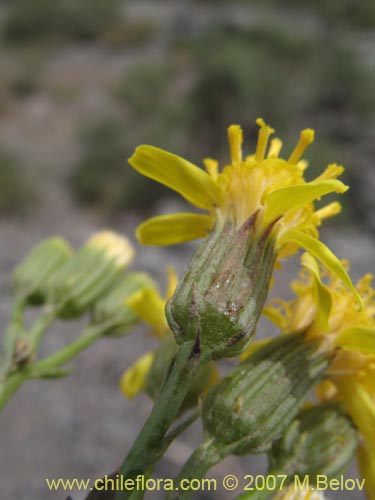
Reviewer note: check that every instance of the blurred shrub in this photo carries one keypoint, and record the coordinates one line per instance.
(264, 71)
(350, 13)
(131, 33)
(27, 20)
(242, 74)
(24, 82)
(15, 192)
(95, 178)
(101, 177)
(153, 95)
(343, 85)
(144, 86)
(153, 112)
(90, 19)
(4, 94)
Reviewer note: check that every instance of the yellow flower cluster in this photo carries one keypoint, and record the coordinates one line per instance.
(324, 308)
(273, 194)
(261, 183)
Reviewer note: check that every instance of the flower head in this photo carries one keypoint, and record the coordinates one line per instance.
(261, 183)
(261, 190)
(325, 309)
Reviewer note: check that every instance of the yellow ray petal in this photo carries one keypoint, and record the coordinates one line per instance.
(149, 306)
(133, 380)
(322, 295)
(360, 406)
(357, 338)
(174, 228)
(281, 200)
(188, 180)
(322, 253)
(278, 312)
(171, 282)
(366, 465)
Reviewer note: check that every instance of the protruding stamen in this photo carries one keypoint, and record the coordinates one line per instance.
(275, 147)
(212, 167)
(329, 210)
(306, 138)
(264, 132)
(303, 164)
(235, 138)
(331, 172)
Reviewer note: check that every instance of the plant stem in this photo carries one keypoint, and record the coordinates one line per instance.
(146, 448)
(174, 433)
(9, 386)
(41, 368)
(13, 330)
(40, 326)
(196, 467)
(70, 351)
(10, 382)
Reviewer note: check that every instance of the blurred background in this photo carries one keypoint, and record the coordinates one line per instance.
(81, 85)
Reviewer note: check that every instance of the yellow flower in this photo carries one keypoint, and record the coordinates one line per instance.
(328, 310)
(324, 308)
(366, 462)
(115, 247)
(351, 381)
(261, 186)
(149, 306)
(133, 380)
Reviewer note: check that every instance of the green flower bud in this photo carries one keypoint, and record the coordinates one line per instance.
(321, 440)
(252, 406)
(30, 277)
(219, 300)
(111, 309)
(89, 274)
